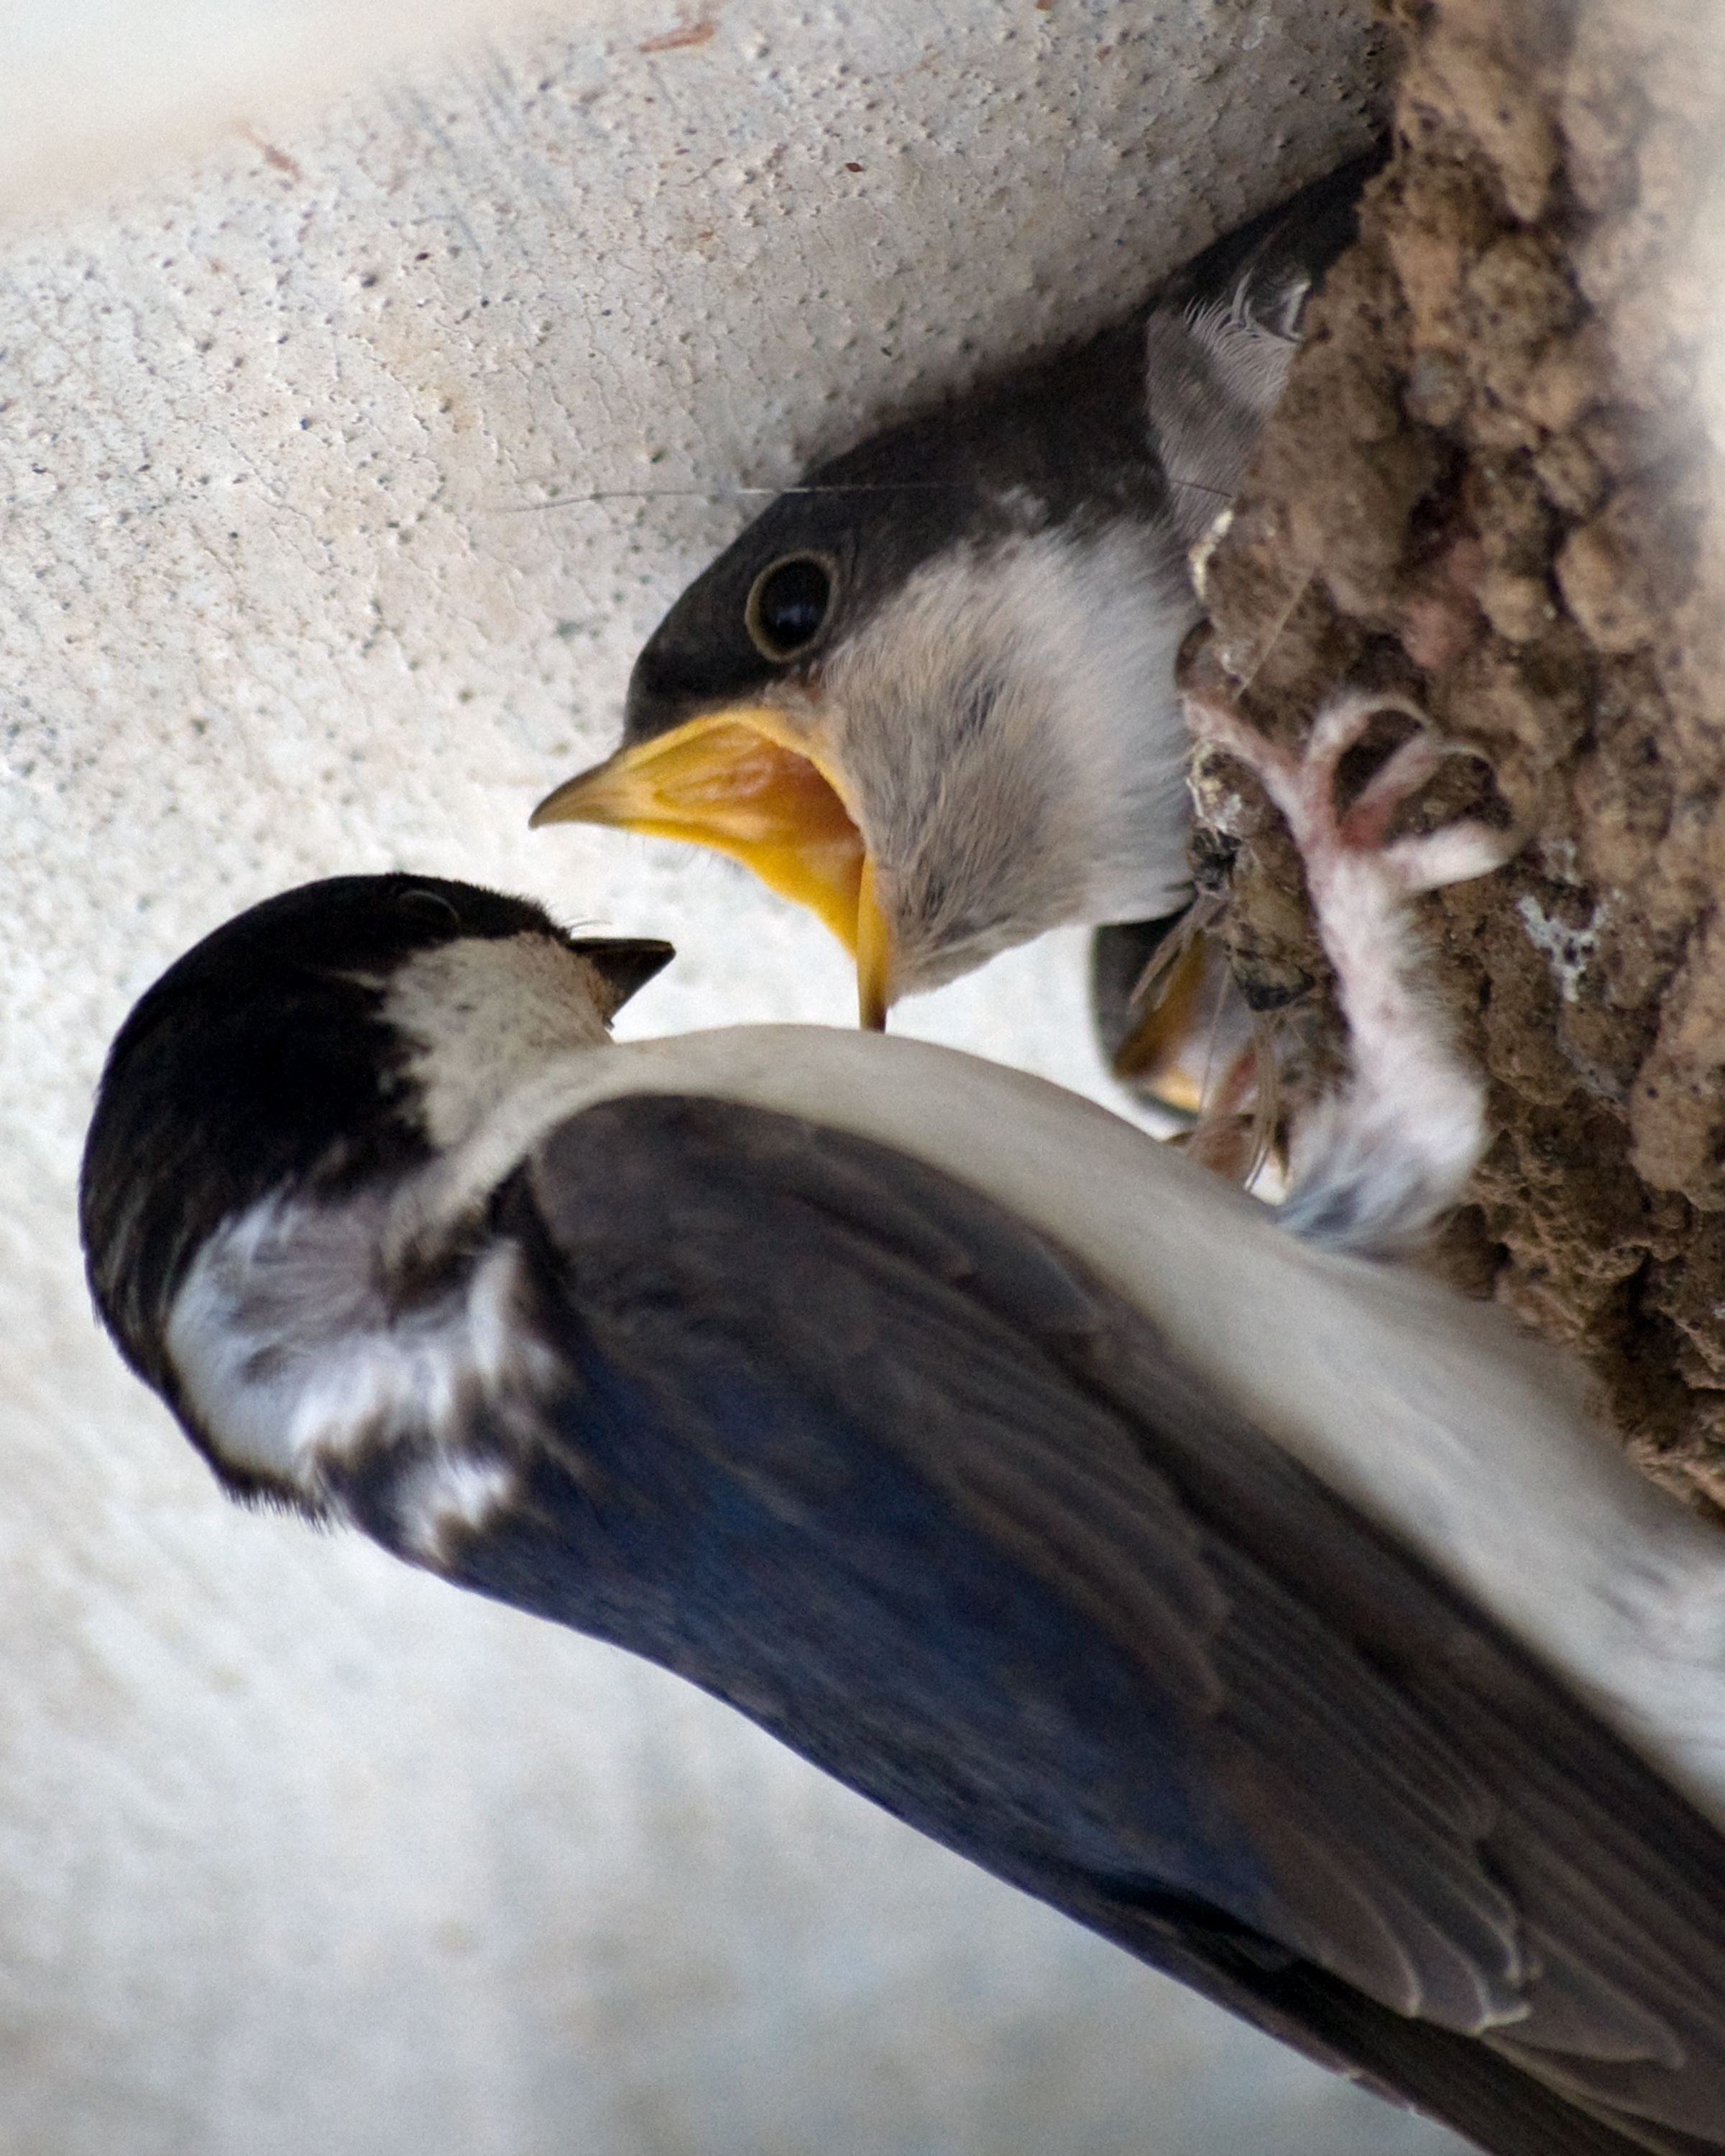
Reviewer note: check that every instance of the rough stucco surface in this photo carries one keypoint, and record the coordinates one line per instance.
(98, 91)
(344, 476)
(1493, 482)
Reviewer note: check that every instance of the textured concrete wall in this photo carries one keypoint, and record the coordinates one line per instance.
(344, 472)
(98, 91)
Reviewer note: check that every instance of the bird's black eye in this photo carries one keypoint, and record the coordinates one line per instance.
(787, 605)
(429, 906)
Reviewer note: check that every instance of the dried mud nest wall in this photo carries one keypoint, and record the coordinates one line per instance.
(1491, 486)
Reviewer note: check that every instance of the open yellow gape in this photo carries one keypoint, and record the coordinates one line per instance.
(737, 781)
(1167, 1050)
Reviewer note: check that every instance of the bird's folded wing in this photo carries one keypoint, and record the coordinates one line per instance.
(1402, 1799)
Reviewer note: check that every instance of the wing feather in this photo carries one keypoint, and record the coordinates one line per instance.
(1432, 1822)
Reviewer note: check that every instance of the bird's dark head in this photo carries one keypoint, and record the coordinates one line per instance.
(861, 701)
(338, 1034)
(728, 737)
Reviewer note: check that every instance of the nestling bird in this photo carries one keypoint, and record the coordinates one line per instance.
(929, 692)
(1269, 1611)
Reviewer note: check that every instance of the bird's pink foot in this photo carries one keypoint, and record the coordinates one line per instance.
(1374, 1165)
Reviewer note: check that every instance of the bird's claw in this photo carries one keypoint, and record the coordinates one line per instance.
(1377, 1163)
(1304, 786)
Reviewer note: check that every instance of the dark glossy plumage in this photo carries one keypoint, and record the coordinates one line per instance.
(261, 1061)
(827, 1433)
(952, 1521)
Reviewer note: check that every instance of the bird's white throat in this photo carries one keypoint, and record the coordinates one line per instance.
(482, 1015)
(292, 1349)
(1010, 727)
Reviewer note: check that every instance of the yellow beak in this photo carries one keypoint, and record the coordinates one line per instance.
(740, 781)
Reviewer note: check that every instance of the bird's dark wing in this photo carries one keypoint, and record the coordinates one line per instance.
(857, 1450)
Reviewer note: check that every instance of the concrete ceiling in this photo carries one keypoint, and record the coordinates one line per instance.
(345, 469)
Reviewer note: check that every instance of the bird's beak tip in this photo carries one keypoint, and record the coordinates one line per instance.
(625, 963)
(874, 953)
(565, 803)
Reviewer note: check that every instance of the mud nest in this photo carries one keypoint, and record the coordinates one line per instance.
(1490, 486)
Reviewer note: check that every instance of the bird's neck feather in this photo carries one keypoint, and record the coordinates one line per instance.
(1029, 684)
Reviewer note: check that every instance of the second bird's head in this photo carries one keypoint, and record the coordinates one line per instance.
(918, 693)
